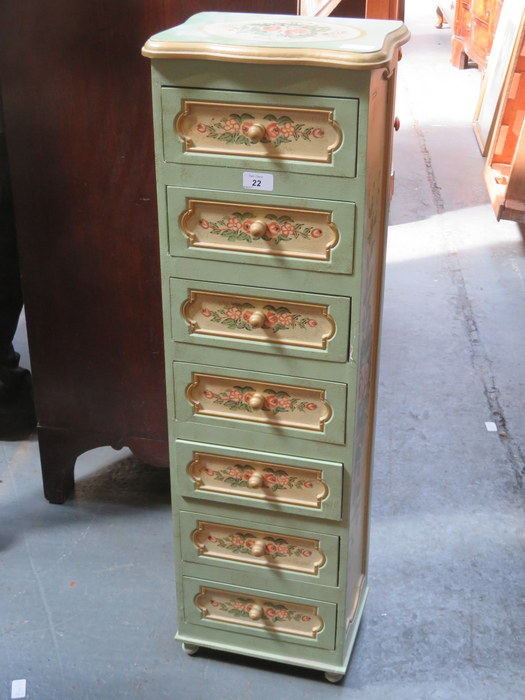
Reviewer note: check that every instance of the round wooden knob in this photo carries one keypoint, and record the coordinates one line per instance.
(255, 612)
(258, 228)
(255, 481)
(258, 548)
(256, 401)
(256, 132)
(397, 123)
(257, 318)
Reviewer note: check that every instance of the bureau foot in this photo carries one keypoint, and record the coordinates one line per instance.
(333, 677)
(190, 649)
(58, 453)
(458, 57)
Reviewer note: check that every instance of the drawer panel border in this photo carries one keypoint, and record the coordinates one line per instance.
(345, 113)
(331, 479)
(322, 550)
(324, 639)
(330, 414)
(181, 242)
(332, 312)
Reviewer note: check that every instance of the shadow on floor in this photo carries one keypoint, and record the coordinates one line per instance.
(128, 482)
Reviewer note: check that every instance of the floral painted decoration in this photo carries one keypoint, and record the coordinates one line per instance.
(285, 31)
(237, 316)
(234, 129)
(273, 479)
(272, 612)
(236, 227)
(274, 547)
(237, 398)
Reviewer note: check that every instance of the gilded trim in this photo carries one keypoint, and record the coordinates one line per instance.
(240, 605)
(191, 234)
(351, 60)
(309, 312)
(323, 153)
(277, 480)
(358, 593)
(189, 393)
(267, 416)
(235, 544)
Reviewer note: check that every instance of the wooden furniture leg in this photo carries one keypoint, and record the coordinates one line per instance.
(59, 450)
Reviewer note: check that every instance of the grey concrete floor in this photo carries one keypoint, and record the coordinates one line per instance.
(87, 604)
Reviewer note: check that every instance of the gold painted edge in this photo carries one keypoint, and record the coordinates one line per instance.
(321, 111)
(262, 421)
(198, 462)
(190, 106)
(192, 205)
(359, 592)
(197, 376)
(204, 526)
(320, 309)
(352, 60)
(204, 591)
(197, 406)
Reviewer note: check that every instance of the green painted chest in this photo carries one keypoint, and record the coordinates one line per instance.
(273, 143)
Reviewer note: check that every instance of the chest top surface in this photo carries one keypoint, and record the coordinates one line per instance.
(257, 38)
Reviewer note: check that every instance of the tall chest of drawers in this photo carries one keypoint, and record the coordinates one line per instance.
(273, 143)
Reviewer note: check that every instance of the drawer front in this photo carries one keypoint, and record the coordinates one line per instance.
(243, 129)
(306, 408)
(227, 543)
(259, 480)
(266, 230)
(259, 613)
(258, 131)
(285, 323)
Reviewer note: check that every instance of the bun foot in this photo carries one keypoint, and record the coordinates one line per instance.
(333, 677)
(190, 649)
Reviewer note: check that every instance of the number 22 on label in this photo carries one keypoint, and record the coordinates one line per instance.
(257, 181)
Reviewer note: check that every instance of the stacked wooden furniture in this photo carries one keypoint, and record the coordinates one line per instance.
(505, 165)
(474, 24)
(273, 143)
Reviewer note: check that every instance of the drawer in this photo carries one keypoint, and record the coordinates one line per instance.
(276, 554)
(246, 400)
(243, 129)
(255, 319)
(259, 480)
(261, 229)
(259, 613)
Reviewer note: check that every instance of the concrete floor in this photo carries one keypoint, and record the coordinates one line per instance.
(87, 605)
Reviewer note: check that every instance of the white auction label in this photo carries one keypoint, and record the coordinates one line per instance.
(257, 181)
(18, 688)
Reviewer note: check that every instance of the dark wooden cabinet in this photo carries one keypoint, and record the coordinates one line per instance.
(77, 109)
